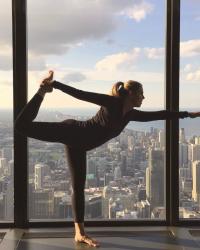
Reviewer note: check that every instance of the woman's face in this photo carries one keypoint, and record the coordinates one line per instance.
(137, 97)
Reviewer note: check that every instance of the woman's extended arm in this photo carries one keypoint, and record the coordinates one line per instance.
(145, 116)
(96, 98)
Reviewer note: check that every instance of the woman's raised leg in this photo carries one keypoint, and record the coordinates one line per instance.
(77, 164)
(46, 131)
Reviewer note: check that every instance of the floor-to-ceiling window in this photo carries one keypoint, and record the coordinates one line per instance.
(91, 45)
(189, 135)
(6, 113)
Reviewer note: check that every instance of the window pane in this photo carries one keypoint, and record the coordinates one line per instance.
(189, 143)
(91, 45)
(6, 113)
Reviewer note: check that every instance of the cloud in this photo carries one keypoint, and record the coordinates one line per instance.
(187, 68)
(70, 22)
(154, 53)
(5, 62)
(74, 77)
(138, 12)
(193, 76)
(120, 60)
(5, 22)
(6, 83)
(6, 79)
(5, 56)
(110, 41)
(190, 48)
(36, 63)
(55, 28)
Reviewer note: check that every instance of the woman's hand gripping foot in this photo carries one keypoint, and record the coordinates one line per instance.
(46, 82)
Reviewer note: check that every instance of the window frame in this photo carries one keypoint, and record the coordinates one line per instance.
(172, 43)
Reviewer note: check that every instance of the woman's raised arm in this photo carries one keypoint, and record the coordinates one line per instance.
(96, 98)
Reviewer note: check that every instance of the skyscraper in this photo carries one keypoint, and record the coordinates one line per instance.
(183, 155)
(155, 178)
(161, 139)
(196, 181)
(195, 152)
(40, 171)
(182, 135)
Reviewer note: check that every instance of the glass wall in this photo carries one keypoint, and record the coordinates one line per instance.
(6, 113)
(91, 45)
(189, 139)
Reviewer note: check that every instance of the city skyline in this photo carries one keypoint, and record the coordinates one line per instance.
(125, 177)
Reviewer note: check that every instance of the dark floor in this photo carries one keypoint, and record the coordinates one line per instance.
(126, 238)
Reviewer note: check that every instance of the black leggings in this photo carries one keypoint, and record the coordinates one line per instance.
(63, 132)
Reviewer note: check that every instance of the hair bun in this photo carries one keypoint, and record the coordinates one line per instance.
(122, 91)
(120, 85)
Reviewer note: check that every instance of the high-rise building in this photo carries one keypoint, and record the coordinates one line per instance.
(143, 209)
(41, 203)
(92, 165)
(182, 135)
(183, 154)
(185, 173)
(107, 178)
(3, 166)
(161, 139)
(197, 140)
(11, 168)
(117, 173)
(196, 181)
(9, 198)
(130, 142)
(114, 207)
(155, 178)
(7, 153)
(41, 170)
(123, 156)
(93, 206)
(123, 139)
(195, 152)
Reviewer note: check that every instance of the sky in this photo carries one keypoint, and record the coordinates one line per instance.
(91, 44)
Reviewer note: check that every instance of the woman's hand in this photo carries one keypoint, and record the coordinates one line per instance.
(48, 79)
(194, 114)
(45, 85)
(46, 82)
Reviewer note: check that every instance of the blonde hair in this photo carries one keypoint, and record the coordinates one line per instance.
(121, 89)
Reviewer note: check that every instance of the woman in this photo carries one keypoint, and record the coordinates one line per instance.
(79, 136)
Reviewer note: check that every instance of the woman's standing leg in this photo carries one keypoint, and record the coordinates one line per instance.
(77, 165)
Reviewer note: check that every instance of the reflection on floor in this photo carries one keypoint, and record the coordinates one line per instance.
(126, 238)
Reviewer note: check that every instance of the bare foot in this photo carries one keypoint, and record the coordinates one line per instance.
(86, 239)
(48, 79)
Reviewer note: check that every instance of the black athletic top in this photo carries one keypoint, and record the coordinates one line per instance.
(109, 121)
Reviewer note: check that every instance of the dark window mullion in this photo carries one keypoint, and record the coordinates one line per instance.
(174, 106)
(167, 105)
(20, 99)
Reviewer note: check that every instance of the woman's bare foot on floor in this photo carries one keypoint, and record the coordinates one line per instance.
(86, 239)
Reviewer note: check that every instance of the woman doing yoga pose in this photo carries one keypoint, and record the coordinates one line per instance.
(116, 111)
